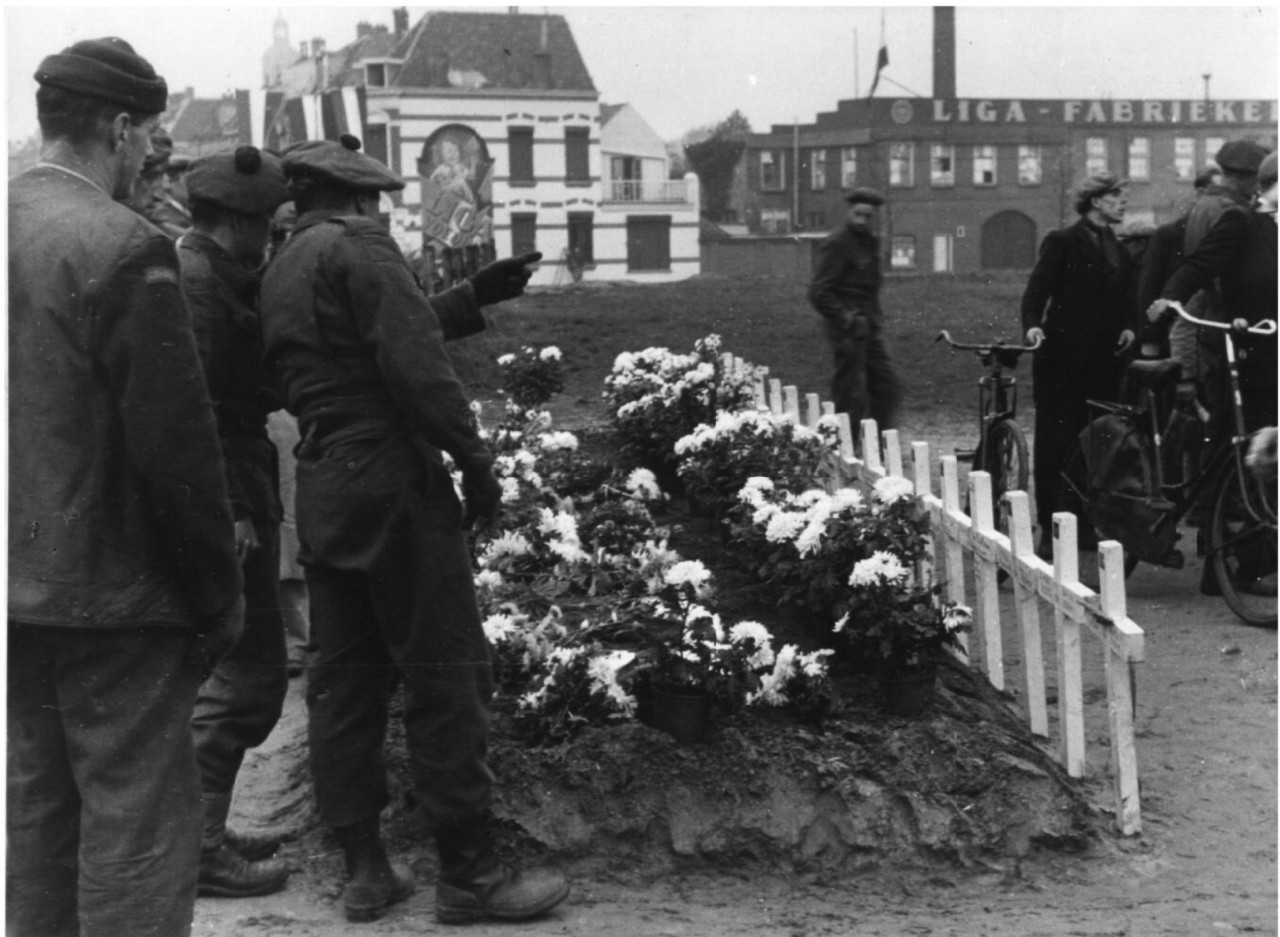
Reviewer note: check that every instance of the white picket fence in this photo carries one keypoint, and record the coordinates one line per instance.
(1077, 609)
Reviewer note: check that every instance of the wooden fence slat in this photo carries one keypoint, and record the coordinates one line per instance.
(955, 527)
(1124, 755)
(812, 410)
(761, 394)
(892, 453)
(923, 484)
(871, 449)
(986, 584)
(1027, 610)
(1067, 628)
(775, 396)
(791, 403)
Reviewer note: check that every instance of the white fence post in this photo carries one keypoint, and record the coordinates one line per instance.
(761, 395)
(775, 396)
(1027, 603)
(955, 527)
(812, 410)
(791, 403)
(871, 451)
(1066, 573)
(927, 573)
(1124, 756)
(893, 453)
(985, 577)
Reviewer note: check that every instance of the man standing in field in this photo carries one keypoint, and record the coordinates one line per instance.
(360, 353)
(123, 580)
(846, 293)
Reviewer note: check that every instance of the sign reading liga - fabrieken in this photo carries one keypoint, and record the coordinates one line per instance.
(1119, 111)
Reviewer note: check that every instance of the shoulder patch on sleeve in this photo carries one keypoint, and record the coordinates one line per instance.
(154, 275)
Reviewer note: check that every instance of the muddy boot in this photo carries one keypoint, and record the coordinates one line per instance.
(224, 872)
(252, 846)
(476, 886)
(375, 883)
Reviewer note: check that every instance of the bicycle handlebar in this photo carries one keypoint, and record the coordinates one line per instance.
(988, 349)
(1261, 327)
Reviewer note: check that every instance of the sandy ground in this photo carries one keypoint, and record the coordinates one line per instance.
(1205, 863)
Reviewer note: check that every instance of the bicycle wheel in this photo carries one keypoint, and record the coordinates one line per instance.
(1242, 546)
(1005, 457)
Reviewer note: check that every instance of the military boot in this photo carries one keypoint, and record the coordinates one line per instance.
(475, 885)
(224, 872)
(374, 883)
(253, 846)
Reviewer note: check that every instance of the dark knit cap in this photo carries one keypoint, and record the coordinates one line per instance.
(108, 69)
(341, 162)
(245, 180)
(1240, 156)
(864, 196)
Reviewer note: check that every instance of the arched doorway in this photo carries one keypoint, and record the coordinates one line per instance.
(1008, 241)
(457, 188)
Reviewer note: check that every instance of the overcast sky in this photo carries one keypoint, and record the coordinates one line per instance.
(686, 66)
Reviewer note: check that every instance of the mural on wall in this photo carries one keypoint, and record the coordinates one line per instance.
(457, 188)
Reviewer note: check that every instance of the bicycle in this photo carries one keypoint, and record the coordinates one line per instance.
(1002, 447)
(1130, 483)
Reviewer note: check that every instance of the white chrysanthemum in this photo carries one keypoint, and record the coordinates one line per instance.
(698, 615)
(892, 488)
(784, 526)
(558, 523)
(603, 671)
(956, 616)
(505, 360)
(508, 543)
(499, 628)
(690, 571)
(643, 484)
(560, 440)
(754, 631)
(510, 490)
(881, 567)
(753, 490)
(488, 579)
(810, 539)
(568, 551)
(771, 684)
(840, 623)
(814, 665)
(845, 498)
(550, 353)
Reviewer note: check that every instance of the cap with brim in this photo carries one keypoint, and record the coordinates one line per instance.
(864, 196)
(341, 162)
(245, 180)
(1099, 184)
(108, 69)
(1243, 156)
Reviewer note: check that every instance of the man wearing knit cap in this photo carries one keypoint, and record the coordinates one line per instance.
(360, 354)
(123, 581)
(233, 197)
(1079, 301)
(846, 293)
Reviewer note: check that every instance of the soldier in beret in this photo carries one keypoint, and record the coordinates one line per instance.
(359, 350)
(1079, 301)
(846, 293)
(233, 197)
(124, 585)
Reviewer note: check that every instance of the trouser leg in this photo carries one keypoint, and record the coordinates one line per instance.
(43, 810)
(125, 699)
(849, 383)
(348, 686)
(884, 389)
(241, 701)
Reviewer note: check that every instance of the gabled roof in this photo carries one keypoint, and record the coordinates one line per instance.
(607, 112)
(204, 120)
(493, 50)
(379, 44)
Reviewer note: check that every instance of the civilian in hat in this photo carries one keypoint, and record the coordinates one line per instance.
(359, 351)
(124, 585)
(169, 211)
(1079, 302)
(150, 181)
(846, 293)
(234, 196)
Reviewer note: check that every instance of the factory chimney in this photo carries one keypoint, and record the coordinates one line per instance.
(944, 52)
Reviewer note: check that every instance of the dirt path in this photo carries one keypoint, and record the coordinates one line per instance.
(1205, 863)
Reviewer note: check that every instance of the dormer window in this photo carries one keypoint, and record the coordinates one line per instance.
(375, 75)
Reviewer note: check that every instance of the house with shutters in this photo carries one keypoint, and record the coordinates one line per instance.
(493, 120)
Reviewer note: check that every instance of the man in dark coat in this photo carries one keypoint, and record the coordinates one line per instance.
(123, 581)
(233, 197)
(360, 353)
(1080, 301)
(846, 293)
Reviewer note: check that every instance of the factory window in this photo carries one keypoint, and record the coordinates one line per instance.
(1184, 158)
(1095, 156)
(902, 252)
(520, 154)
(984, 165)
(1030, 171)
(942, 165)
(772, 177)
(848, 167)
(815, 220)
(901, 165)
(817, 170)
(1140, 159)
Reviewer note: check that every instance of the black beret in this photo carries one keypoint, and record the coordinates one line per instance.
(245, 180)
(863, 195)
(342, 162)
(1240, 156)
(108, 69)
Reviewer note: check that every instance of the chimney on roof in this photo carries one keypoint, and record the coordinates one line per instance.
(542, 38)
(363, 29)
(304, 49)
(400, 19)
(944, 52)
(317, 47)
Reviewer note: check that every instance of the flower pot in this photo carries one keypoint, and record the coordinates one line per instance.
(909, 693)
(682, 712)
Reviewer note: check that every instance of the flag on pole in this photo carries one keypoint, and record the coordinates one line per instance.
(882, 59)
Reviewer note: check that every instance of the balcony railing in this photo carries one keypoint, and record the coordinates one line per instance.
(647, 190)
